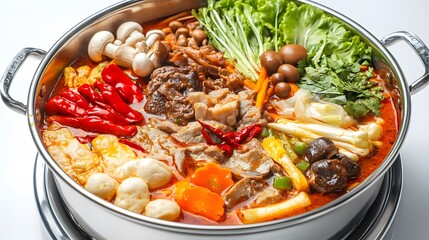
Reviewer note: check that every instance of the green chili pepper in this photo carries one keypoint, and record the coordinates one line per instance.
(282, 183)
(303, 165)
(264, 133)
(299, 148)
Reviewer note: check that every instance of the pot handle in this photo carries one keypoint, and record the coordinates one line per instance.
(9, 74)
(419, 47)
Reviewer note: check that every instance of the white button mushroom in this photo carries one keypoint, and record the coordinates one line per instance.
(130, 33)
(163, 209)
(157, 54)
(153, 35)
(102, 185)
(155, 173)
(125, 56)
(142, 65)
(101, 44)
(133, 195)
(130, 49)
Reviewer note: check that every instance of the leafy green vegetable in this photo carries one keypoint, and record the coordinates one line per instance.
(244, 29)
(335, 56)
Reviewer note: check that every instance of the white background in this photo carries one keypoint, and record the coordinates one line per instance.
(25, 23)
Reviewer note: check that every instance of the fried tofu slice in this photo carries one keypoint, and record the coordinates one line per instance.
(75, 158)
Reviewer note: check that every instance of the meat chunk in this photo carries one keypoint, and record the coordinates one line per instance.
(149, 138)
(328, 175)
(167, 93)
(219, 105)
(320, 148)
(190, 133)
(248, 113)
(242, 190)
(250, 161)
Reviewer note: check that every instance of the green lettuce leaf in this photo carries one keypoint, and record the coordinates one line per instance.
(332, 70)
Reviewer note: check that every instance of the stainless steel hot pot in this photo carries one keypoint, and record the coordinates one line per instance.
(103, 220)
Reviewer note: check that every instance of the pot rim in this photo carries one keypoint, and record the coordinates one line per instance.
(226, 229)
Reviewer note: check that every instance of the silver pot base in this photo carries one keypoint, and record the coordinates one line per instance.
(58, 223)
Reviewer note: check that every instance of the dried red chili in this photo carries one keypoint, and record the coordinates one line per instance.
(230, 140)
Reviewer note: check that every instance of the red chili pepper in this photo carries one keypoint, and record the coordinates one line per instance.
(114, 76)
(226, 149)
(86, 139)
(64, 106)
(95, 124)
(132, 144)
(111, 97)
(75, 97)
(88, 92)
(107, 114)
(60, 105)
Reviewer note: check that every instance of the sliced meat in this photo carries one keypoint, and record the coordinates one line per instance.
(352, 167)
(216, 153)
(268, 196)
(149, 139)
(164, 125)
(320, 148)
(190, 133)
(167, 93)
(250, 161)
(328, 175)
(242, 191)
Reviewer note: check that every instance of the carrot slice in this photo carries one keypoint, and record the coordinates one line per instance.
(262, 92)
(213, 177)
(270, 93)
(199, 200)
(262, 76)
(251, 85)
